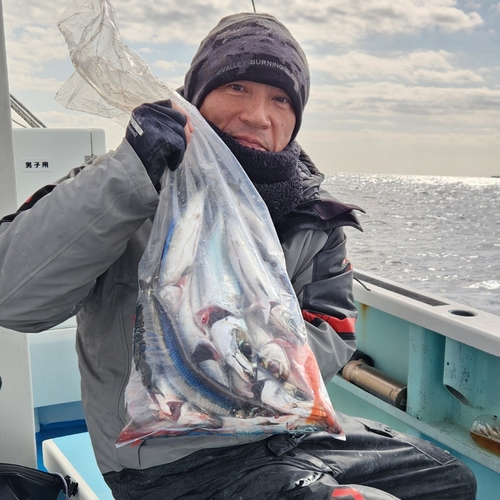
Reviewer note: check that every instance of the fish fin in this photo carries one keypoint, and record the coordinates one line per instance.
(259, 305)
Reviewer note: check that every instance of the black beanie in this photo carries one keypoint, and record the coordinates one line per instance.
(255, 47)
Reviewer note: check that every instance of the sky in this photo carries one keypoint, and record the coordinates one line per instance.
(398, 86)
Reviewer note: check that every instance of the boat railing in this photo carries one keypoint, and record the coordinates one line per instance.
(448, 357)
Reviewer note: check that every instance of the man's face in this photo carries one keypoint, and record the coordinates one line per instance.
(257, 115)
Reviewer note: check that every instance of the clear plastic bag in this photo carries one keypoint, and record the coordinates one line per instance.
(219, 340)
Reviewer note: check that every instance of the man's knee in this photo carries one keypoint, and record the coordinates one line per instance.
(466, 482)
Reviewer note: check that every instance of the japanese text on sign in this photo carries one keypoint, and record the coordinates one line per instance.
(36, 165)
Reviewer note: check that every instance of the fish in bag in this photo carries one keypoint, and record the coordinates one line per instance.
(220, 345)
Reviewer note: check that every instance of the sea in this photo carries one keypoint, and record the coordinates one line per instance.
(435, 234)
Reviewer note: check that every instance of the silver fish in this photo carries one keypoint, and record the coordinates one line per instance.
(249, 270)
(219, 285)
(182, 244)
(193, 336)
(242, 387)
(262, 232)
(274, 359)
(193, 418)
(266, 243)
(183, 376)
(286, 398)
(215, 371)
(166, 397)
(255, 324)
(283, 324)
(171, 296)
(232, 341)
(270, 355)
(147, 352)
(146, 421)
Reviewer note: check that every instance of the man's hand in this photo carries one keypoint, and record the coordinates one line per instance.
(159, 135)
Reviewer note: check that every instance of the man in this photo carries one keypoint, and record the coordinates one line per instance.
(250, 80)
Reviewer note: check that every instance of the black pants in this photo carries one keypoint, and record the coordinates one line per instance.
(374, 463)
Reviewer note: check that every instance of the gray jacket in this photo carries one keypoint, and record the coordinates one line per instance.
(75, 248)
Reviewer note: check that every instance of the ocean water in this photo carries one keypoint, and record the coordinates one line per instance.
(440, 235)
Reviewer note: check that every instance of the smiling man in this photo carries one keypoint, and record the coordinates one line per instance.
(75, 249)
(257, 115)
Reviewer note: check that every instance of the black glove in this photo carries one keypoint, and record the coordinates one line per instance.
(156, 133)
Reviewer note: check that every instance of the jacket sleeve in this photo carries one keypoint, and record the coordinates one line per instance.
(322, 279)
(52, 253)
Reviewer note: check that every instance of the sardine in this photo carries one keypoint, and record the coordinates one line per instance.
(146, 422)
(286, 398)
(242, 387)
(215, 371)
(284, 325)
(270, 354)
(273, 358)
(218, 284)
(233, 343)
(182, 242)
(260, 231)
(193, 336)
(250, 271)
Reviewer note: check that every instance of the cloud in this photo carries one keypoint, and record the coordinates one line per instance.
(443, 138)
(22, 13)
(419, 66)
(33, 43)
(73, 119)
(32, 33)
(171, 72)
(171, 66)
(311, 21)
(347, 21)
(161, 22)
(36, 44)
(22, 82)
(385, 99)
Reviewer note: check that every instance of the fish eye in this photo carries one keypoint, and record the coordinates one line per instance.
(247, 350)
(300, 395)
(274, 366)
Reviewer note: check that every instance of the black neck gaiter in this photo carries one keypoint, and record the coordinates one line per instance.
(276, 176)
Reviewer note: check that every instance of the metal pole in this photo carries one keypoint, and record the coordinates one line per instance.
(25, 113)
(8, 196)
(17, 421)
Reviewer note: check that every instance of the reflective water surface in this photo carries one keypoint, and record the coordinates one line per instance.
(436, 234)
